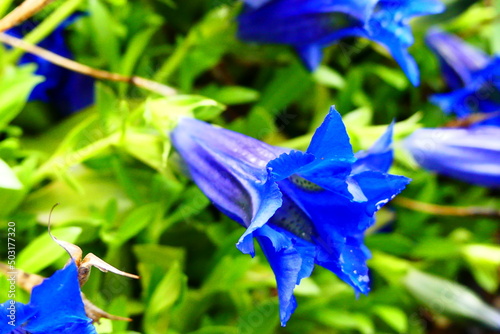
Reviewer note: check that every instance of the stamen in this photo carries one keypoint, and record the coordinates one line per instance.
(303, 183)
(292, 219)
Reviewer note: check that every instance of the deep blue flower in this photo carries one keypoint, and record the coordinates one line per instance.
(311, 25)
(471, 155)
(473, 76)
(55, 307)
(304, 208)
(66, 91)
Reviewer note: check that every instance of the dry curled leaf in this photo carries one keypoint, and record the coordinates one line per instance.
(90, 260)
(27, 281)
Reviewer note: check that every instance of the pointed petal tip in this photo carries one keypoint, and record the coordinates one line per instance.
(245, 244)
(286, 311)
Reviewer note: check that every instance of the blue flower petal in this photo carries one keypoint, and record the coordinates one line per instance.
(471, 74)
(482, 95)
(59, 304)
(471, 155)
(255, 3)
(348, 263)
(400, 53)
(55, 307)
(459, 60)
(321, 164)
(288, 164)
(330, 141)
(13, 315)
(311, 25)
(303, 208)
(290, 264)
(379, 188)
(60, 84)
(230, 170)
(311, 55)
(389, 27)
(289, 9)
(379, 157)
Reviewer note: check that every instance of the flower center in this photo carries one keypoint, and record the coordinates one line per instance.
(303, 183)
(291, 218)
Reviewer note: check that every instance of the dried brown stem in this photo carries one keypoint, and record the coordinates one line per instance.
(22, 12)
(72, 65)
(445, 210)
(471, 120)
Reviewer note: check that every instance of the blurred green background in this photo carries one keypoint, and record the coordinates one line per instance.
(124, 197)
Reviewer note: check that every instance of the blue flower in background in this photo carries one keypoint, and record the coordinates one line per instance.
(66, 91)
(304, 208)
(473, 76)
(311, 25)
(55, 307)
(471, 155)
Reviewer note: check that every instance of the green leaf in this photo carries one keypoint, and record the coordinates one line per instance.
(393, 316)
(391, 243)
(217, 330)
(484, 261)
(135, 222)
(97, 189)
(262, 319)
(105, 36)
(8, 179)
(148, 148)
(135, 50)
(345, 320)
(394, 77)
(168, 291)
(43, 251)
(307, 287)
(231, 95)
(450, 298)
(207, 41)
(329, 77)
(436, 248)
(495, 36)
(287, 85)
(16, 84)
(392, 268)
(226, 275)
(118, 306)
(163, 113)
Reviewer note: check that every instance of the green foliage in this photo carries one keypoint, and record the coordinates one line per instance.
(125, 197)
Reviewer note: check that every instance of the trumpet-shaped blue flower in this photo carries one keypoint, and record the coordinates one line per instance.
(311, 25)
(471, 155)
(473, 76)
(55, 307)
(66, 91)
(304, 208)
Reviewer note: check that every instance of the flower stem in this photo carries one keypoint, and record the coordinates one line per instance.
(445, 210)
(61, 162)
(21, 13)
(47, 26)
(87, 70)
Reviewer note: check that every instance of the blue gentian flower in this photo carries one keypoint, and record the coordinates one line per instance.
(471, 155)
(55, 307)
(304, 208)
(311, 25)
(473, 76)
(66, 91)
